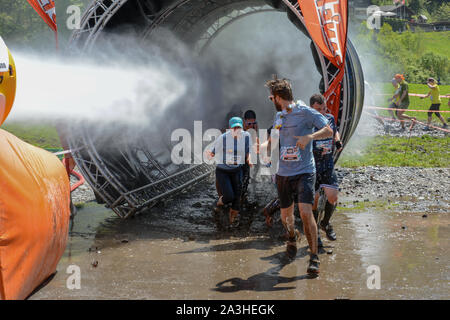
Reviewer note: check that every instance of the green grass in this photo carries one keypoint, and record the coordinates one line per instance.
(360, 206)
(437, 42)
(40, 135)
(425, 151)
(415, 103)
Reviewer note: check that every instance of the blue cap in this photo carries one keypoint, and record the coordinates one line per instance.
(236, 122)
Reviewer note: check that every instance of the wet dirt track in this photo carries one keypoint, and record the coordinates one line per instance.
(183, 250)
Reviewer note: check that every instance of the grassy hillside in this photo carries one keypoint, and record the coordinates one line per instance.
(418, 55)
(41, 135)
(437, 42)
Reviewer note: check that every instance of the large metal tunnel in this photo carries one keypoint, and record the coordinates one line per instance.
(129, 177)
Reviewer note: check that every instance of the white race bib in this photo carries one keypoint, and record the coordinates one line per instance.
(290, 153)
(326, 146)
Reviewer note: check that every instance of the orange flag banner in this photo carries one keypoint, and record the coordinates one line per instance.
(327, 23)
(46, 9)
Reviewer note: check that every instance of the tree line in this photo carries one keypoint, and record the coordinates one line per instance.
(21, 26)
(434, 10)
(390, 52)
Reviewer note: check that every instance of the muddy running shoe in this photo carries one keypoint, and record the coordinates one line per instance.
(314, 264)
(331, 235)
(232, 214)
(269, 210)
(291, 245)
(413, 123)
(444, 126)
(427, 128)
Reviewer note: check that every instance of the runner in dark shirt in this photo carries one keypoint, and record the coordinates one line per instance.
(250, 126)
(325, 175)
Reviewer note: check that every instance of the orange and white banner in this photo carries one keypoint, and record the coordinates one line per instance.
(327, 23)
(46, 9)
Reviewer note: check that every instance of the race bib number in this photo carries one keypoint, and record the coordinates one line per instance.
(233, 160)
(290, 154)
(326, 146)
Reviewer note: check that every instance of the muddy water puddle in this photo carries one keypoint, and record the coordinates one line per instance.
(185, 251)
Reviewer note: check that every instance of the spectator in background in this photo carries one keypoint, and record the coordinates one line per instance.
(434, 95)
(394, 99)
(448, 96)
(403, 101)
(250, 126)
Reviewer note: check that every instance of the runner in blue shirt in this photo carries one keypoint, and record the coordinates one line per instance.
(325, 175)
(296, 171)
(231, 151)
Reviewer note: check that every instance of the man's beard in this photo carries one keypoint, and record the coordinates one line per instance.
(277, 106)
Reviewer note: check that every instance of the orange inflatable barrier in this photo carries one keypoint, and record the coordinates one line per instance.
(34, 216)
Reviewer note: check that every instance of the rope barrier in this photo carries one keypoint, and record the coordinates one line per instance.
(417, 121)
(406, 110)
(412, 94)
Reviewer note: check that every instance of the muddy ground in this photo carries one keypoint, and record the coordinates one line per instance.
(182, 249)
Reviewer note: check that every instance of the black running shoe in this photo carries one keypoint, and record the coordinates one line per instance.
(331, 235)
(314, 264)
(319, 242)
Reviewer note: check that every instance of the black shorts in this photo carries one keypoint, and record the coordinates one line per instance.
(434, 107)
(392, 106)
(300, 185)
(327, 179)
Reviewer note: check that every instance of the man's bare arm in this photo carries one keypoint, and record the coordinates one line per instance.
(325, 132)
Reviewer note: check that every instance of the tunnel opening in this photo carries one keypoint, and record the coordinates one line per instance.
(132, 175)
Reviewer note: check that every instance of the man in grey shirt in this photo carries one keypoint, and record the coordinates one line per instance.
(296, 172)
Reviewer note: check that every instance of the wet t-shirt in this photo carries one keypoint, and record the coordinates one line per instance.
(301, 121)
(323, 149)
(230, 153)
(404, 88)
(435, 95)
